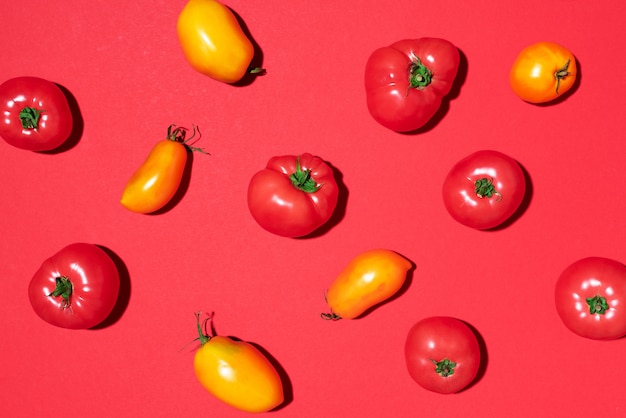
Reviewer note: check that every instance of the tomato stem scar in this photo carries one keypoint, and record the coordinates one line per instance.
(560, 74)
(597, 305)
(484, 188)
(444, 368)
(29, 116)
(64, 288)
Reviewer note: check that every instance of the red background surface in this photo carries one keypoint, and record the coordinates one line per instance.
(121, 62)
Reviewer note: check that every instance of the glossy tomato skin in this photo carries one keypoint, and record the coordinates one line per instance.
(393, 99)
(590, 298)
(442, 354)
(36, 115)
(238, 374)
(369, 279)
(471, 205)
(95, 285)
(543, 72)
(283, 208)
(213, 42)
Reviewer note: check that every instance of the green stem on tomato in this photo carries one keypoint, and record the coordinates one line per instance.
(64, 288)
(445, 367)
(597, 305)
(301, 179)
(484, 188)
(560, 74)
(202, 334)
(419, 75)
(29, 117)
(178, 134)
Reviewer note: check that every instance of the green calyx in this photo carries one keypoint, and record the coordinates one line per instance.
(445, 367)
(597, 305)
(560, 74)
(419, 75)
(63, 289)
(203, 335)
(29, 116)
(484, 188)
(301, 179)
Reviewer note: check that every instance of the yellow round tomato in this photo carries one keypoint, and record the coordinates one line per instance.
(213, 41)
(156, 181)
(542, 72)
(237, 373)
(369, 279)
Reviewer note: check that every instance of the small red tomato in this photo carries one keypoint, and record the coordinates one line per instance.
(76, 288)
(590, 297)
(293, 195)
(484, 189)
(442, 354)
(36, 115)
(237, 373)
(369, 279)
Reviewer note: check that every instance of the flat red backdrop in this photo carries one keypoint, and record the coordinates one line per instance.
(121, 63)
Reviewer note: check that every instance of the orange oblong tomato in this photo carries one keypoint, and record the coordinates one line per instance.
(369, 279)
(156, 181)
(213, 42)
(542, 72)
(237, 373)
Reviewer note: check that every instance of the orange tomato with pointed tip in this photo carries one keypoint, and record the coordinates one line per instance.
(213, 42)
(237, 373)
(156, 181)
(369, 279)
(542, 72)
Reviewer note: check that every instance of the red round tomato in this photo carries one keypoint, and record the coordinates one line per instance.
(590, 298)
(293, 195)
(76, 288)
(406, 81)
(484, 189)
(36, 115)
(442, 354)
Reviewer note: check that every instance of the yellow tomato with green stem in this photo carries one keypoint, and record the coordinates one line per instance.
(213, 41)
(367, 280)
(156, 181)
(236, 372)
(543, 72)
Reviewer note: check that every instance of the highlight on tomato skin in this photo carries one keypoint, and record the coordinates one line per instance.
(543, 72)
(369, 279)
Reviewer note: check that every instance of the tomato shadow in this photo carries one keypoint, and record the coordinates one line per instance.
(484, 357)
(568, 93)
(528, 195)
(257, 59)
(403, 289)
(459, 80)
(78, 124)
(123, 297)
(340, 210)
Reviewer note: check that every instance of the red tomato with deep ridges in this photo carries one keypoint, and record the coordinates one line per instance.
(293, 195)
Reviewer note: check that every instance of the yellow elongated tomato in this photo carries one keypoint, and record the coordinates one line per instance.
(542, 72)
(213, 41)
(156, 181)
(369, 279)
(237, 373)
